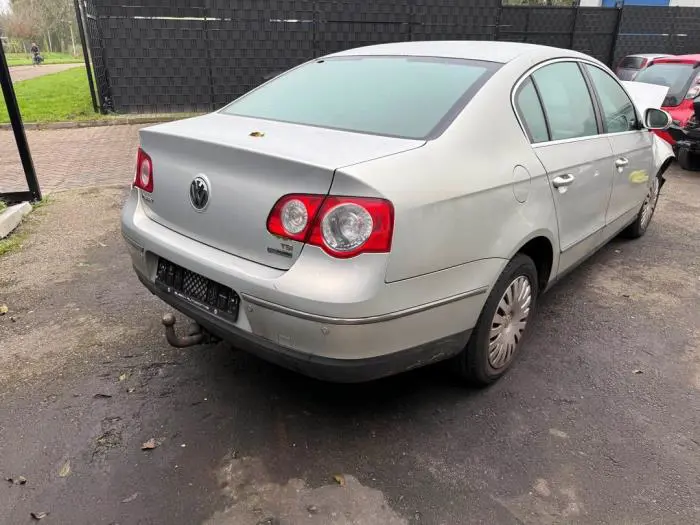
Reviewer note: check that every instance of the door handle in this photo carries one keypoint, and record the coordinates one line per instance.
(621, 162)
(563, 180)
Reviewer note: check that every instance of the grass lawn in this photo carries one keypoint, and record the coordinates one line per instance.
(21, 59)
(52, 98)
(59, 97)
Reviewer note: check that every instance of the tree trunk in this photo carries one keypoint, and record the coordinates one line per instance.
(48, 34)
(72, 38)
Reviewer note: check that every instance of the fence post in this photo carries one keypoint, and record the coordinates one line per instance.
(210, 63)
(616, 34)
(527, 25)
(672, 34)
(86, 56)
(573, 26)
(497, 27)
(17, 127)
(315, 28)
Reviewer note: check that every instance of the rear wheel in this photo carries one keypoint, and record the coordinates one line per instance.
(641, 223)
(503, 324)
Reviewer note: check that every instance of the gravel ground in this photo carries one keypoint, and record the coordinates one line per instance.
(599, 421)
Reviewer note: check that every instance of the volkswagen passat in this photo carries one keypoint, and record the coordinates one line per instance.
(383, 208)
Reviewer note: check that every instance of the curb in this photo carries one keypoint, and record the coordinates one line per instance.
(97, 123)
(12, 216)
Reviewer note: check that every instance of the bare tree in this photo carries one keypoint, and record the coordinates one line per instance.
(52, 21)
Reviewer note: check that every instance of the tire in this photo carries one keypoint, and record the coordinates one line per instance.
(687, 160)
(641, 223)
(476, 364)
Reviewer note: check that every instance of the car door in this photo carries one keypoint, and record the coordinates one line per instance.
(574, 154)
(631, 144)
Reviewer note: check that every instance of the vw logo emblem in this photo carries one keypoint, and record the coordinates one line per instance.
(199, 193)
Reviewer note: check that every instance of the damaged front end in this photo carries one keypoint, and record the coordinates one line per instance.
(688, 140)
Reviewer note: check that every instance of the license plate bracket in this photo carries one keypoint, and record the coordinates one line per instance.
(200, 291)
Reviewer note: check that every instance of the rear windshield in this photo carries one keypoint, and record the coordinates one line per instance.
(632, 63)
(676, 76)
(409, 97)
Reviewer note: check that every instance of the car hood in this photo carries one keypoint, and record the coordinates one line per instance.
(645, 96)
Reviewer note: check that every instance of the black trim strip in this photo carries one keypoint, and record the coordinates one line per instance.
(595, 99)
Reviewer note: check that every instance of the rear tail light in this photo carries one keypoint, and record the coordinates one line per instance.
(342, 226)
(144, 172)
(292, 215)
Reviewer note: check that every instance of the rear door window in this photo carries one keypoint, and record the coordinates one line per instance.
(567, 101)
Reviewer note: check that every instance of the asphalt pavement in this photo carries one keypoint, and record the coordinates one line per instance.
(598, 421)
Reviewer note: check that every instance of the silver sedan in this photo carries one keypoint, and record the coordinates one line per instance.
(384, 208)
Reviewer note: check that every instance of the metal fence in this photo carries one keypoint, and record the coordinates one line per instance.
(98, 50)
(193, 55)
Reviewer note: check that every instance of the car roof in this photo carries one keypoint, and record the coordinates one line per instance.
(684, 59)
(488, 50)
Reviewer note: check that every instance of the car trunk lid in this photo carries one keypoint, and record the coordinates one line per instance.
(247, 164)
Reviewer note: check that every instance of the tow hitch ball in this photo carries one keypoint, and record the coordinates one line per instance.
(196, 334)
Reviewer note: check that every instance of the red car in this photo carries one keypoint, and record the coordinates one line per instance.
(681, 74)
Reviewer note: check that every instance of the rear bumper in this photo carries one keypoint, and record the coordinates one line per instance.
(376, 329)
(319, 367)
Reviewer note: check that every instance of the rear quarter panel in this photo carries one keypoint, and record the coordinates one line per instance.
(455, 198)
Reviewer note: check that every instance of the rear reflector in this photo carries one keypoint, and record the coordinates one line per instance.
(342, 226)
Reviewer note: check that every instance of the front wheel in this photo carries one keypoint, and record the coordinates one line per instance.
(503, 324)
(641, 223)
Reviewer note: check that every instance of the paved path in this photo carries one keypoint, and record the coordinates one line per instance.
(19, 73)
(71, 158)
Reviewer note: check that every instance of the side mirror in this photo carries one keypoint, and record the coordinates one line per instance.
(657, 119)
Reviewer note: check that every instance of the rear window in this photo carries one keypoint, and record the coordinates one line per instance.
(632, 63)
(676, 76)
(409, 97)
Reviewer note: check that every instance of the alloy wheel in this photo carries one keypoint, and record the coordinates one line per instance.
(650, 203)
